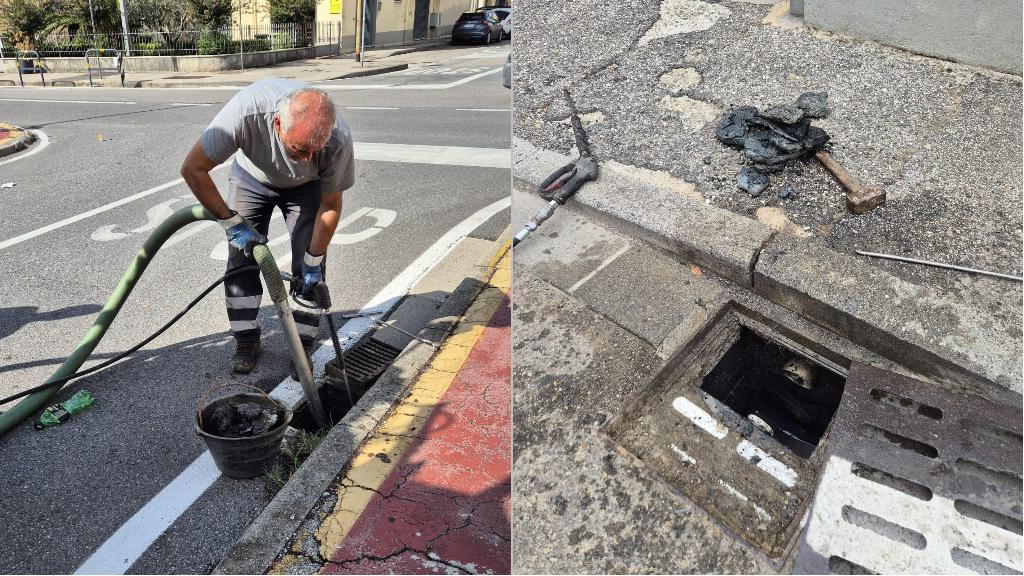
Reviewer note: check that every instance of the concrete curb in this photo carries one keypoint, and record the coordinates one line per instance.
(711, 237)
(268, 535)
(372, 71)
(932, 333)
(19, 143)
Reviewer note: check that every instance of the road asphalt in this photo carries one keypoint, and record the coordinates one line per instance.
(103, 173)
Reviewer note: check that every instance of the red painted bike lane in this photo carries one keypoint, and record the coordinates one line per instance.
(446, 505)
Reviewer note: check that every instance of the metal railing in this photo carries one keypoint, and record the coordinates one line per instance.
(227, 40)
(28, 61)
(97, 55)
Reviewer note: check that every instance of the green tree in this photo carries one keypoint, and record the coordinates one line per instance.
(211, 13)
(167, 17)
(282, 11)
(23, 17)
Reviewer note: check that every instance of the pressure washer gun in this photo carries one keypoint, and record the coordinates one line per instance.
(561, 185)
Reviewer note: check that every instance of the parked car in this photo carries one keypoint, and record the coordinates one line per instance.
(483, 26)
(504, 14)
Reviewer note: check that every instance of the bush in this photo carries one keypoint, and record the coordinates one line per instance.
(149, 49)
(214, 43)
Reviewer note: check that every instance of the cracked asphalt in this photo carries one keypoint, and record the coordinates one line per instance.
(652, 79)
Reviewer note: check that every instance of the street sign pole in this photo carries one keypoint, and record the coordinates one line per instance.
(124, 27)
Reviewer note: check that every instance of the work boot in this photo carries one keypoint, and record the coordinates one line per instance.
(307, 346)
(246, 353)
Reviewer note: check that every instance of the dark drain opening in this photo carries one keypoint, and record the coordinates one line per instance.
(783, 393)
(364, 363)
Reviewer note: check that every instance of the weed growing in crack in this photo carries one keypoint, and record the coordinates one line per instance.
(293, 454)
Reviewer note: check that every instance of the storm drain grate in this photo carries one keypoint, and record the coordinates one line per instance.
(694, 427)
(917, 479)
(365, 361)
(184, 77)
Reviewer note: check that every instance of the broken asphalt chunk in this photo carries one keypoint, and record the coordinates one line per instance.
(752, 180)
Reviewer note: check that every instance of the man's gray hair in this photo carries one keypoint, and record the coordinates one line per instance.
(310, 103)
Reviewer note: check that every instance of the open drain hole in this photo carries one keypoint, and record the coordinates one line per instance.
(364, 364)
(786, 395)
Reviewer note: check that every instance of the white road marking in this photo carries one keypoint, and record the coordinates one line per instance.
(600, 267)
(44, 141)
(90, 213)
(686, 458)
(65, 101)
(483, 109)
(132, 538)
(767, 462)
(117, 554)
(412, 153)
(427, 154)
(700, 418)
(453, 84)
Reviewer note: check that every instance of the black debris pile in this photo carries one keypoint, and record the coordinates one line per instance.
(773, 137)
(243, 419)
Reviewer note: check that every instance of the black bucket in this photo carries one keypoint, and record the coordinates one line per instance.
(247, 456)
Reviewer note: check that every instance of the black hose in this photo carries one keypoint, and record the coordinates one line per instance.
(64, 379)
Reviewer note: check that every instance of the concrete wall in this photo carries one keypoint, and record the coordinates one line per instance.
(188, 63)
(982, 32)
(395, 20)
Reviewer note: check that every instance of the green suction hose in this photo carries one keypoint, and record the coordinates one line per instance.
(29, 405)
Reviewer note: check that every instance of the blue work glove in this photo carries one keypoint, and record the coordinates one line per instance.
(241, 234)
(312, 274)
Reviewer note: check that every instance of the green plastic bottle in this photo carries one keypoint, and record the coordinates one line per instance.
(59, 413)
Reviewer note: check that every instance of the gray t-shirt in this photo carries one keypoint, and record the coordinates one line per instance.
(246, 125)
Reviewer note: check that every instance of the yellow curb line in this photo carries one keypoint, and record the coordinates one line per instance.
(382, 449)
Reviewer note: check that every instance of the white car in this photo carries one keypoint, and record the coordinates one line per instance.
(506, 26)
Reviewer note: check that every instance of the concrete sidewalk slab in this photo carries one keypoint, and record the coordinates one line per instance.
(308, 70)
(661, 216)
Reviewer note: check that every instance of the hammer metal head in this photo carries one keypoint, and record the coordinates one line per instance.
(863, 199)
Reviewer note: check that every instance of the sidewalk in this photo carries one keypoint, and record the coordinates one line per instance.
(310, 70)
(428, 491)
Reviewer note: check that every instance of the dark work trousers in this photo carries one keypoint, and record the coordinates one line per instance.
(256, 201)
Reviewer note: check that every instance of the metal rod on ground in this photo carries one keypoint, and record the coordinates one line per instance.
(939, 265)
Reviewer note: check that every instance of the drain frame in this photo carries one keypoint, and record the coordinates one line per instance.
(771, 531)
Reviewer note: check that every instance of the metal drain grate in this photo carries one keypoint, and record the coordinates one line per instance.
(918, 479)
(184, 77)
(365, 362)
